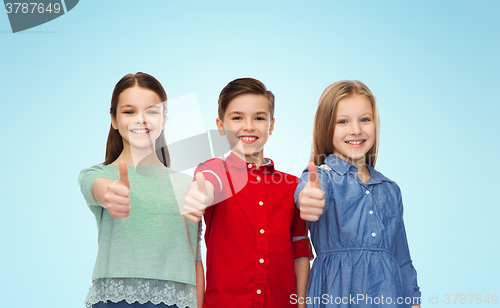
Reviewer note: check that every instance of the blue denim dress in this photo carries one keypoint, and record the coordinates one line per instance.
(362, 258)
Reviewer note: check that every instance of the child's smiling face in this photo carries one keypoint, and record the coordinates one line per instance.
(247, 125)
(354, 133)
(139, 117)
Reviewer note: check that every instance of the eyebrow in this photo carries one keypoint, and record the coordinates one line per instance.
(239, 112)
(132, 106)
(346, 115)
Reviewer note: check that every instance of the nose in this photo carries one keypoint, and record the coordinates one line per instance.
(355, 129)
(248, 125)
(140, 118)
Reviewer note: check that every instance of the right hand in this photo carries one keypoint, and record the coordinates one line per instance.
(196, 200)
(312, 198)
(117, 196)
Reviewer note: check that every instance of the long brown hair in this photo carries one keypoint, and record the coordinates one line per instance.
(114, 145)
(324, 121)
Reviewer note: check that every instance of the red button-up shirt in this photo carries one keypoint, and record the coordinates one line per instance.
(253, 234)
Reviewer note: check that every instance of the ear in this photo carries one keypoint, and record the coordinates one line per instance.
(164, 122)
(113, 123)
(220, 127)
(271, 127)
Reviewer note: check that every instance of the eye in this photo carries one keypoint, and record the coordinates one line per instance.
(236, 118)
(260, 119)
(365, 120)
(152, 112)
(128, 112)
(341, 122)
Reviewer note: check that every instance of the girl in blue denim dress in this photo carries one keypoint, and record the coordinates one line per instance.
(355, 213)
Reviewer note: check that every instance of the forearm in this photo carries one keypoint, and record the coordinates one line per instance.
(200, 283)
(302, 268)
(99, 188)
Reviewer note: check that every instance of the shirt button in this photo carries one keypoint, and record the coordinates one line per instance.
(259, 291)
(258, 178)
(249, 166)
(371, 212)
(261, 203)
(261, 260)
(367, 192)
(374, 234)
(261, 231)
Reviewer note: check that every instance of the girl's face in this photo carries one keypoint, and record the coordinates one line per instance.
(139, 117)
(354, 133)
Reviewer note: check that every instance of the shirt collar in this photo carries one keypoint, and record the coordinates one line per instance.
(338, 164)
(376, 177)
(234, 161)
(341, 167)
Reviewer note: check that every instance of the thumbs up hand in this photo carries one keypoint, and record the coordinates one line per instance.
(312, 198)
(116, 198)
(199, 197)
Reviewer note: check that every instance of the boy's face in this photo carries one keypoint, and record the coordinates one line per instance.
(247, 124)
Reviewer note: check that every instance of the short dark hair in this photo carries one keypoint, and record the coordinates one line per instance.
(244, 86)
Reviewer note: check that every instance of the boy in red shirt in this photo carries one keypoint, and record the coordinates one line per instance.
(257, 245)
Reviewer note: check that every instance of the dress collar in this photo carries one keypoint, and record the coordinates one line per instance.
(376, 177)
(341, 167)
(338, 164)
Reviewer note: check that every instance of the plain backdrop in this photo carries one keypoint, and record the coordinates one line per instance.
(432, 65)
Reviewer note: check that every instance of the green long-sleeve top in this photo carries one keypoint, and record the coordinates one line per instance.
(155, 241)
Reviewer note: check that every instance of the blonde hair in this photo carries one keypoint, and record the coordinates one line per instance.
(324, 120)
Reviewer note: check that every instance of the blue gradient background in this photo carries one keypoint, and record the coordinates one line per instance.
(433, 66)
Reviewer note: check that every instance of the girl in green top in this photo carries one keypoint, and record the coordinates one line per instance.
(148, 253)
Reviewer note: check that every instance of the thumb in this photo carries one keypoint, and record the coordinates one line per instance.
(200, 180)
(122, 166)
(313, 176)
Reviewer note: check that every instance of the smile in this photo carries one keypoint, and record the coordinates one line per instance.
(140, 131)
(248, 139)
(355, 142)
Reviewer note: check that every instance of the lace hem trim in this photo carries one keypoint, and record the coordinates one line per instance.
(142, 291)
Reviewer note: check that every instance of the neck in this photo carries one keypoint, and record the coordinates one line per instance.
(358, 163)
(139, 157)
(362, 169)
(257, 159)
